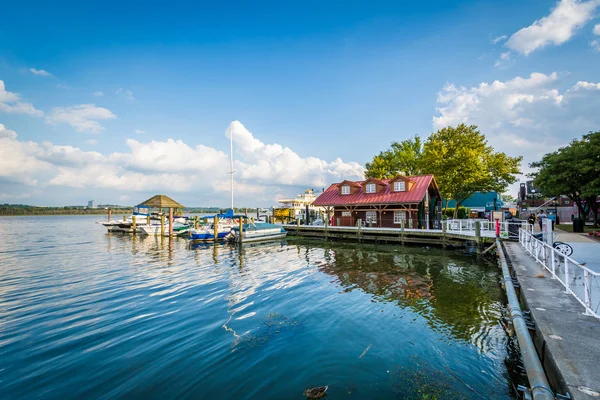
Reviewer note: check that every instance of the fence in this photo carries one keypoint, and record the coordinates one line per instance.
(578, 280)
(508, 230)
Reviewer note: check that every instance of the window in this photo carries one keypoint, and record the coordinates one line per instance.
(370, 188)
(371, 217)
(345, 189)
(399, 216)
(399, 186)
(346, 214)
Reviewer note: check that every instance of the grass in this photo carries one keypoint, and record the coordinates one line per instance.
(569, 228)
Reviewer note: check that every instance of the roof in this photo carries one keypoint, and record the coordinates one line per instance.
(161, 201)
(332, 196)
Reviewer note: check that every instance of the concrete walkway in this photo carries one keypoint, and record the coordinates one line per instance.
(567, 341)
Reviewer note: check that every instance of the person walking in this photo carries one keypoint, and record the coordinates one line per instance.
(531, 219)
(541, 217)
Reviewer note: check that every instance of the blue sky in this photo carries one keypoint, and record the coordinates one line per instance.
(309, 83)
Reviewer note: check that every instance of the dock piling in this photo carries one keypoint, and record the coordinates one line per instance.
(148, 220)
(215, 229)
(162, 225)
(133, 225)
(109, 214)
(196, 222)
(241, 229)
(170, 221)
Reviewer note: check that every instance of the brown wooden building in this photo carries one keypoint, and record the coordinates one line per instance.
(412, 201)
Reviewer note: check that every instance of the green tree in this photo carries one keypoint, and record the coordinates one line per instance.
(401, 158)
(573, 171)
(463, 163)
(508, 198)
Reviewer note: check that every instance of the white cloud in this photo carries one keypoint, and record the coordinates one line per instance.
(139, 131)
(126, 94)
(265, 171)
(92, 142)
(523, 116)
(499, 39)
(98, 94)
(504, 61)
(39, 72)
(557, 28)
(597, 30)
(83, 117)
(595, 45)
(10, 103)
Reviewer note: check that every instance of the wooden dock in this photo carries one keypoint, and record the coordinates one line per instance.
(434, 237)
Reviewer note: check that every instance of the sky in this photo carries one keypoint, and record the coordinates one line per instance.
(118, 101)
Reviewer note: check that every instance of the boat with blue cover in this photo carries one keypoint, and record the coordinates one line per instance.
(225, 222)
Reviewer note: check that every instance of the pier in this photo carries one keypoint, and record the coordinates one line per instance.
(453, 234)
(561, 297)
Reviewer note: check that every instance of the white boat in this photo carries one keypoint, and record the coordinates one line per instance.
(206, 233)
(180, 228)
(254, 232)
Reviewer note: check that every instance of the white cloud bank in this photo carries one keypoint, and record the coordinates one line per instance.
(523, 116)
(11, 103)
(83, 117)
(555, 29)
(264, 171)
(126, 94)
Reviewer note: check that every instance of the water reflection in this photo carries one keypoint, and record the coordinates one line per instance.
(116, 316)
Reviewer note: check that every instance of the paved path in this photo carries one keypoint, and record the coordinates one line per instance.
(567, 341)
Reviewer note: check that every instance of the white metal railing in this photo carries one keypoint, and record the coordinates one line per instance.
(508, 230)
(578, 280)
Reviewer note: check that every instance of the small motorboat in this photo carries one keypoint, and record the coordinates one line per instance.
(257, 231)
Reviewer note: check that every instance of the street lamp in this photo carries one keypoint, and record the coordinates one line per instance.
(533, 197)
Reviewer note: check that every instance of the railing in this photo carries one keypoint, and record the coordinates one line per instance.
(578, 280)
(508, 230)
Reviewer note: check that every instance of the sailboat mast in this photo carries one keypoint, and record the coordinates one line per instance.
(231, 164)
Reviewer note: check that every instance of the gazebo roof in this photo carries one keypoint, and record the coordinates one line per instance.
(161, 201)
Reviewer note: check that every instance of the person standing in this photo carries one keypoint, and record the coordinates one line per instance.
(541, 217)
(552, 218)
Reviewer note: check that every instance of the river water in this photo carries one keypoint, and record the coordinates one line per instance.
(84, 314)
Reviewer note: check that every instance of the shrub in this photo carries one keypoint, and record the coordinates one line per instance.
(463, 212)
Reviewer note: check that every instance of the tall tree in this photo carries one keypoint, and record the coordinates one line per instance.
(508, 198)
(463, 163)
(573, 171)
(401, 158)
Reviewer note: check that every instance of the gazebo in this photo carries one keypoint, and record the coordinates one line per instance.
(161, 201)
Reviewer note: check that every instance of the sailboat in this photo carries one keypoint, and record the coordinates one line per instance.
(227, 220)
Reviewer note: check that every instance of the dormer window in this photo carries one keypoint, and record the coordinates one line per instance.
(399, 186)
(345, 189)
(370, 188)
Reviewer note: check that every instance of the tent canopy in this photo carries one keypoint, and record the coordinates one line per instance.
(161, 201)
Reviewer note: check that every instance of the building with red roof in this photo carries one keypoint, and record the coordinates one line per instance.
(409, 201)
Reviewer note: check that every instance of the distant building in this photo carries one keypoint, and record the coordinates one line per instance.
(481, 202)
(92, 204)
(296, 207)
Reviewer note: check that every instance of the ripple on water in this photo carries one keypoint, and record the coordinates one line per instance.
(106, 316)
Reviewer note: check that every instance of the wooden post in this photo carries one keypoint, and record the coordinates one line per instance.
(196, 222)
(133, 225)
(478, 235)
(162, 225)
(124, 218)
(215, 228)
(109, 214)
(170, 221)
(298, 222)
(241, 229)
(148, 220)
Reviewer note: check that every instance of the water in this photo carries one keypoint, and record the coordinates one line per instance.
(84, 314)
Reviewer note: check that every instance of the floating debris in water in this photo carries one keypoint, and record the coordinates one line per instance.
(274, 324)
(365, 352)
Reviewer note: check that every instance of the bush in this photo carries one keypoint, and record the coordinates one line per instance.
(463, 212)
